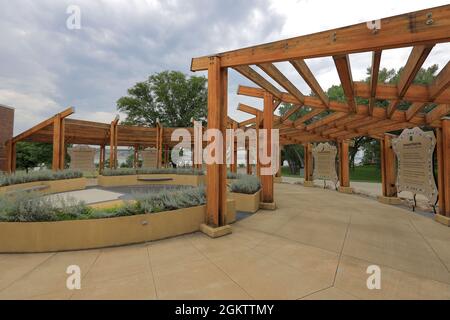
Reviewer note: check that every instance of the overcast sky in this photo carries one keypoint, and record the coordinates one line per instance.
(45, 67)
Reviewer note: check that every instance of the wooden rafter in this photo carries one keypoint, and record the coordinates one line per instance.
(303, 69)
(415, 61)
(252, 75)
(342, 63)
(409, 29)
(376, 60)
(441, 83)
(279, 77)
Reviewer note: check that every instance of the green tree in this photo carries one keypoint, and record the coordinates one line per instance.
(170, 96)
(31, 155)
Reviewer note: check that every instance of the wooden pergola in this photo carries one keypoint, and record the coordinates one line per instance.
(328, 120)
(60, 131)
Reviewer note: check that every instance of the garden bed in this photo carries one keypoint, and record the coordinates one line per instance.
(246, 202)
(142, 179)
(50, 187)
(28, 237)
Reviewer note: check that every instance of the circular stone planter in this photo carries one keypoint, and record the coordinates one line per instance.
(47, 187)
(145, 179)
(34, 237)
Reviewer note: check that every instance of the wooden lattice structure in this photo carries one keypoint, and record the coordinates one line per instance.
(421, 30)
(60, 131)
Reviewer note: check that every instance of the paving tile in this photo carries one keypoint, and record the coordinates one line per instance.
(352, 278)
(50, 276)
(266, 278)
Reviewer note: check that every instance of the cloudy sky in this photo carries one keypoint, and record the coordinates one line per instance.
(45, 67)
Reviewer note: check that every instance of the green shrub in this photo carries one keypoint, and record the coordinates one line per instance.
(31, 207)
(34, 176)
(246, 184)
(232, 175)
(129, 172)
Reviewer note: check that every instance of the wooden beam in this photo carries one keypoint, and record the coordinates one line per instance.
(290, 112)
(267, 195)
(276, 75)
(443, 153)
(388, 167)
(217, 115)
(342, 63)
(415, 61)
(437, 113)
(248, 109)
(344, 169)
(376, 60)
(409, 29)
(307, 147)
(252, 75)
(64, 114)
(303, 69)
(414, 109)
(441, 83)
(416, 93)
(300, 121)
(330, 118)
(56, 143)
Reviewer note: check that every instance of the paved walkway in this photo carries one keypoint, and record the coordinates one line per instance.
(317, 245)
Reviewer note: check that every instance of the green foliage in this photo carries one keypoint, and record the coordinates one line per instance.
(131, 171)
(170, 96)
(232, 175)
(42, 175)
(246, 184)
(31, 207)
(31, 155)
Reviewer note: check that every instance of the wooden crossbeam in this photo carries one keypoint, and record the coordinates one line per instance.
(342, 63)
(306, 117)
(252, 75)
(303, 69)
(416, 93)
(409, 29)
(290, 112)
(248, 109)
(376, 60)
(279, 77)
(438, 112)
(330, 118)
(415, 61)
(64, 114)
(441, 83)
(414, 109)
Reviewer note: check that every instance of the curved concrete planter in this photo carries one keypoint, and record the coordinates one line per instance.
(55, 186)
(132, 180)
(23, 237)
(246, 202)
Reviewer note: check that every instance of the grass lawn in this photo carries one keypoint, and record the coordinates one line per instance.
(369, 173)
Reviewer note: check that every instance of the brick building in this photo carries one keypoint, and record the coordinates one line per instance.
(6, 132)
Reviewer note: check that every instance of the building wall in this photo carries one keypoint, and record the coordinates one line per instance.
(6, 132)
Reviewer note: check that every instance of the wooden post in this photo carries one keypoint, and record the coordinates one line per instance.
(62, 156)
(257, 127)
(279, 173)
(111, 147)
(344, 169)
(247, 156)
(136, 156)
(166, 157)
(116, 141)
(388, 168)
(56, 143)
(267, 179)
(216, 206)
(234, 165)
(443, 155)
(101, 165)
(307, 150)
